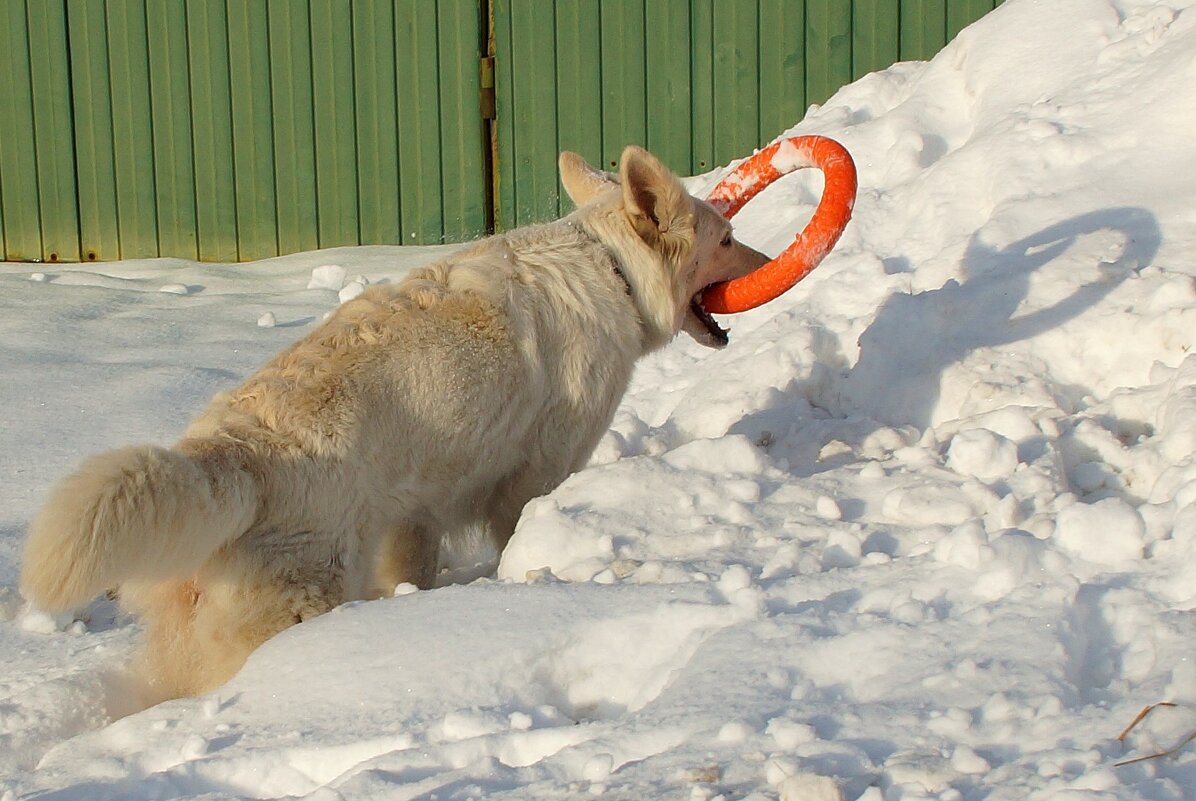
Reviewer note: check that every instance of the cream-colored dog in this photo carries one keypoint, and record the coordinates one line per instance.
(418, 409)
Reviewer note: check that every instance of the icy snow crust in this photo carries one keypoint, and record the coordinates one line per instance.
(926, 529)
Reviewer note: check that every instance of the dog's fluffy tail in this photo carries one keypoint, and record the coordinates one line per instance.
(143, 513)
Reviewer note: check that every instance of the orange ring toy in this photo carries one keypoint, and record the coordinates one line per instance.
(812, 244)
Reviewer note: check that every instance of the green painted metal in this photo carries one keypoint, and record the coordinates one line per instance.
(376, 102)
(623, 74)
(875, 35)
(504, 170)
(534, 94)
(238, 129)
(242, 129)
(99, 230)
(52, 118)
(736, 80)
(828, 47)
(292, 128)
(170, 101)
(703, 121)
(336, 129)
(961, 13)
(132, 129)
(462, 144)
(420, 176)
(19, 210)
(922, 28)
(578, 79)
(212, 132)
(701, 82)
(669, 95)
(253, 117)
(782, 65)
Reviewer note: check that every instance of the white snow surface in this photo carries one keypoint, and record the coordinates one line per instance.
(925, 529)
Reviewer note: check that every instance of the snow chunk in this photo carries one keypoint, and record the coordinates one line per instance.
(808, 787)
(920, 766)
(734, 732)
(789, 158)
(789, 734)
(38, 621)
(1012, 558)
(827, 508)
(966, 546)
(328, 276)
(353, 288)
(598, 767)
(730, 454)
(965, 760)
(467, 724)
(928, 504)
(843, 549)
(983, 454)
(1107, 532)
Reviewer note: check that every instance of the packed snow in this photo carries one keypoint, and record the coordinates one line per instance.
(925, 529)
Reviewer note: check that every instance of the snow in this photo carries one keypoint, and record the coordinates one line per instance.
(925, 529)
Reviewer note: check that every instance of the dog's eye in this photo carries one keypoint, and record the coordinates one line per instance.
(726, 241)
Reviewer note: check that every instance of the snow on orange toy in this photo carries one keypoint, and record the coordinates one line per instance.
(812, 244)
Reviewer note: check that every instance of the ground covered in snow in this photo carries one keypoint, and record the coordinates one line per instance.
(926, 529)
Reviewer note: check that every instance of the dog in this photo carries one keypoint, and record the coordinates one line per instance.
(417, 410)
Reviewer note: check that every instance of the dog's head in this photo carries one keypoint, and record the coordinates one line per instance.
(670, 244)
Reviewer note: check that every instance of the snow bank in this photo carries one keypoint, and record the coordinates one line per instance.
(926, 529)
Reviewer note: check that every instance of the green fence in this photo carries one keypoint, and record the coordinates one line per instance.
(237, 130)
(697, 82)
(227, 130)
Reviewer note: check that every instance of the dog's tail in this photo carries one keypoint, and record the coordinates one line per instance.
(143, 513)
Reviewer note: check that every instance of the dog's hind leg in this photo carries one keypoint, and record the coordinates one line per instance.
(410, 555)
(200, 631)
(169, 656)
(233, 618)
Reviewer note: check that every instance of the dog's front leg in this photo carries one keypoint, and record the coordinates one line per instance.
(507, 502)
(411, 555)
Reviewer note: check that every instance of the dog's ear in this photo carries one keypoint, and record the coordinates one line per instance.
(582, 182)
(657, 204)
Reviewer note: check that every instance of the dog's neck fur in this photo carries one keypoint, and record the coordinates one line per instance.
(614, 260)
(656, 333)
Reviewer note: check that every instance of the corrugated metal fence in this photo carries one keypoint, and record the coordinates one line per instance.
(226, 130)
(237, 130)
(698, 82)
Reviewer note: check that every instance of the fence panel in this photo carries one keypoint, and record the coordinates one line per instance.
(238, 129)
(209, 68)
(52, 119)
(170, 99)
(419, 137)
(19, 213)
(241, 129)
(38, 219)
(462, 138)
(699, 82)
(99, 229)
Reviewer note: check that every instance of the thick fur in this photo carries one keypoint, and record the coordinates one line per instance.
(418, 409)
